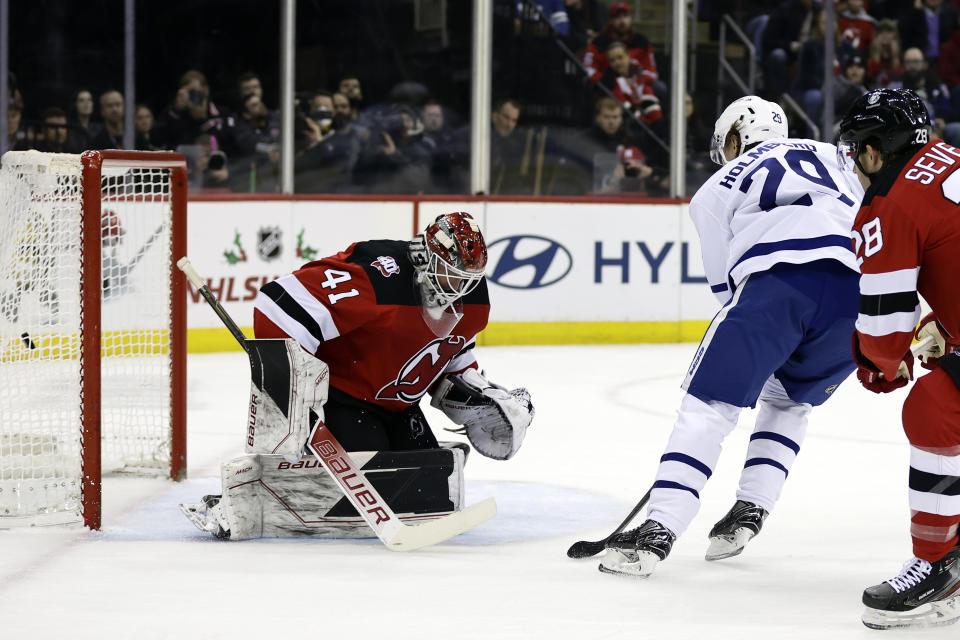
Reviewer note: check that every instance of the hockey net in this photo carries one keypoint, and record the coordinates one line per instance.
(92, 367)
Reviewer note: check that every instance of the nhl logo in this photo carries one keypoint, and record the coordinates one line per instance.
(269, 246)
(873, 100)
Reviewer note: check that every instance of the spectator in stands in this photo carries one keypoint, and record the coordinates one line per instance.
(811, 62)
(509, 151)
(587, 18)
(885, 64)
(627, 83)
(326, 166)
(143, 123)
(53, 132)
(206, 164)
(789, 26)
(537, 75)
(597, 149)
(856, 25)
(925, 25)
(248, 84)
(395, 159)
(82, 126)
(449, 151)
(192, 114)
(935, 94)
(849, 86)
(257, 140)
(111, 112)
(16, 132)
(321, 115)
(949, 64)
(350, 87)
(620, 29)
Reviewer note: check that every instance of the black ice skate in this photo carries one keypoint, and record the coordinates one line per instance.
(924, 594)
(734, 530)
(637, 552)
(206, 515)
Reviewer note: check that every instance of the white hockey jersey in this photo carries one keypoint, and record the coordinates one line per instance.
(786, 200)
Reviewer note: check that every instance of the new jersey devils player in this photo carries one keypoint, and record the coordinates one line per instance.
(907, 240)
(391, 319)
(356, 340)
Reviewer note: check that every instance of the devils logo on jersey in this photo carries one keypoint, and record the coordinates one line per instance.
(420, 372)
(387, 266)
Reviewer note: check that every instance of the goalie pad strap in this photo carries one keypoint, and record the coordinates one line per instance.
(270, 497)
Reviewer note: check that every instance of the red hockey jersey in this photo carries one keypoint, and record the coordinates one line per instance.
(359, 311)
(907, 239)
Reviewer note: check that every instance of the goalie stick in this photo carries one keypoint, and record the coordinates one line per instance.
(371, 506)
(590, 548)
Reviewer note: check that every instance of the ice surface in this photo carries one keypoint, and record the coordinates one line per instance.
(603, 416)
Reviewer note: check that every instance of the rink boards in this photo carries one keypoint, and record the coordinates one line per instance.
(559, 272)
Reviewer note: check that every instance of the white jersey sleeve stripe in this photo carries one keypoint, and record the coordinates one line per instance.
(265, 305)
(932, 463)
(902, 322)
(872, 284)
(317, 310)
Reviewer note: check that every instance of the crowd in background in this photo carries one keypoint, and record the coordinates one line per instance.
(581, 105)
(912, 43)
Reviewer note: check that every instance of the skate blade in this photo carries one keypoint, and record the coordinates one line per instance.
(196, 513)
(727, 546)
(617, 563)
(934, 614)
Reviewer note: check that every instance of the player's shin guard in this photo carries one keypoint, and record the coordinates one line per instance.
(777, 436)
(689, 460)
(267, 496)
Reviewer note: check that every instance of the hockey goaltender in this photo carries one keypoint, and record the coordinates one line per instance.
(349, 345)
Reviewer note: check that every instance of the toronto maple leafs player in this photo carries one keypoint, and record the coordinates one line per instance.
(774, 225)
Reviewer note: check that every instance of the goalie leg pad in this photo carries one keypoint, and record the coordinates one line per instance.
(270, 497)
(287, 385)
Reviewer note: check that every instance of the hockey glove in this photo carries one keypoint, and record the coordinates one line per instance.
(494, 419)
(871, 377)
(943, 344)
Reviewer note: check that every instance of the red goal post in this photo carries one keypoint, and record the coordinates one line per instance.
(67, 417)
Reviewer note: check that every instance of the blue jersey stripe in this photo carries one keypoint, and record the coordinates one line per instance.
(717, 288)
(776, 437)
(666, 484)
(752, 462)
(687, 460)
(797, 244)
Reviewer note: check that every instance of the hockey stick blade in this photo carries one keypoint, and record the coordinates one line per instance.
(590, 548)
(409, 538)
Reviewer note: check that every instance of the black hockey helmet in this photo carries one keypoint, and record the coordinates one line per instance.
(894, 121)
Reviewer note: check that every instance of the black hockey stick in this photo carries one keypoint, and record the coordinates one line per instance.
(184, 265)
(588, 548)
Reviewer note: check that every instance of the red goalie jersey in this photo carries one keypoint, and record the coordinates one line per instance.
(906, 236)
(360, 312)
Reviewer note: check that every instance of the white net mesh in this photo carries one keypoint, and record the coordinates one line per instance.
(41, 324)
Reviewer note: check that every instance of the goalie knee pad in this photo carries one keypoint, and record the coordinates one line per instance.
(287, 385)
(267, 496)
(495, 420)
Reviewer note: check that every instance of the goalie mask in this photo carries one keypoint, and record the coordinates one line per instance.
(450, 258)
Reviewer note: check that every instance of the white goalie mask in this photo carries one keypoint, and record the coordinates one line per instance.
(754, 119)
(450, 258)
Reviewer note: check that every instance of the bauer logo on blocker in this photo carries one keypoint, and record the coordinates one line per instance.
(528, 262)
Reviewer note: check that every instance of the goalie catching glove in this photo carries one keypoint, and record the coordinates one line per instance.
(494, 419)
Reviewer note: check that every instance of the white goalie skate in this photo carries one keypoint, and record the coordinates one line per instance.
(206, 515)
